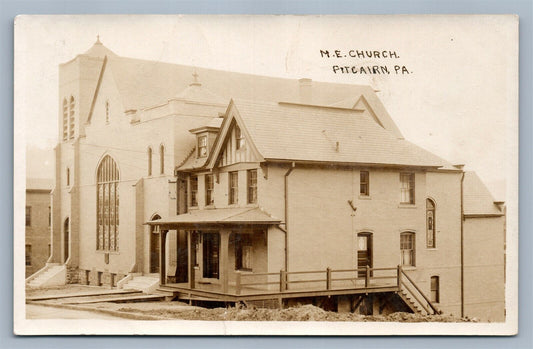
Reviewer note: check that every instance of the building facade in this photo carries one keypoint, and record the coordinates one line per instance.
(38, 223)
(203, 176)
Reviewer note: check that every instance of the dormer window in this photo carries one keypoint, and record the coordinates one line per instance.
(202, 146)
(239, 138)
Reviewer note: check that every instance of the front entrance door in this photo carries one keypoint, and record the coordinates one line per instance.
(154, 252)
(183, 257)
(211, 247)
(364, 252)
(154, 248)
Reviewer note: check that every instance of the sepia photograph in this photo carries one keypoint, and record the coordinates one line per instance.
(255, 175)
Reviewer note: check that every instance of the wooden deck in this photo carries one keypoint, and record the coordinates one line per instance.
(304, 284)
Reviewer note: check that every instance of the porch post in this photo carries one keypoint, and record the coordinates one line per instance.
(162, 256)
(190, 275)
(224, 247)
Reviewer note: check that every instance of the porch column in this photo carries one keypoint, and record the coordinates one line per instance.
(190, 247)
(162, 256)
(224, 249)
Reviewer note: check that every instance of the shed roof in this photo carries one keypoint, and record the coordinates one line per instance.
(219, 216)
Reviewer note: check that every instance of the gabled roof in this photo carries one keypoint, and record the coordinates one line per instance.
(477, 198)
(295, 132)
(144, 84)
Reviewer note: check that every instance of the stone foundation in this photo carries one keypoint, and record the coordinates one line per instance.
(73, 275)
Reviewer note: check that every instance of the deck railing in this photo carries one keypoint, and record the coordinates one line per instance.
(333, 279)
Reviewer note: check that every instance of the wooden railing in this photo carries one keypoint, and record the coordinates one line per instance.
(317, 279)
(334, 279)
(412, 289)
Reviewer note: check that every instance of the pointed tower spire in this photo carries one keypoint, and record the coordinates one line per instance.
(98, 39)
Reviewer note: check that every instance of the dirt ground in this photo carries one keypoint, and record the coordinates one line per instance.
(178, 310)
(183, 311)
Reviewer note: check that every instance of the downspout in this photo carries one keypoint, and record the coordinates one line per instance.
(293, 165)
(462, 247)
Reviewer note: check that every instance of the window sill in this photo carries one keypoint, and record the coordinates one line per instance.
(109, 252)
(432, 249)
(244, 271)
(365, 197)
(408, 267)
(401, 205)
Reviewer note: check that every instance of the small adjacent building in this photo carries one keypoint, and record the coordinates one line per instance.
(38, 223)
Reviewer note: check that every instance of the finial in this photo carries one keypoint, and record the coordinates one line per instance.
(98, 39)
(195, 76)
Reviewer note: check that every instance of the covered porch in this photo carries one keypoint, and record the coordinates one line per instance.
(218, 246)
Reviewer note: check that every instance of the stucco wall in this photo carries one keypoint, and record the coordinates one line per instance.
(484, 268)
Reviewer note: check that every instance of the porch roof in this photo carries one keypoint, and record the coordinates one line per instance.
(219, 216)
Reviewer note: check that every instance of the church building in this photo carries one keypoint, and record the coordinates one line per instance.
(230, 186)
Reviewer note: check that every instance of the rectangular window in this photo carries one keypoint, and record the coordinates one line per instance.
(28, 216)
(194, 191)
(209, 185)
(407, 249)
(49, 250)
(202, 146)
(49, 216)
(233, 188)
(28, 255)
(364, 183)
(435, 289)
(407, 188)
(243, 252)
(252, 186)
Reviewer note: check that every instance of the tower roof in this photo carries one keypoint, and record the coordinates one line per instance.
(99, 50)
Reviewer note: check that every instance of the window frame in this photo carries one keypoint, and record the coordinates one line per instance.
(434, 289)
(150, 158)
(407, 188)
(107, 205)
(28, 255)
(251, 186)
(411, 250)
(240, 142)
(366, 183)
(202, 145)
(233, 191)
(193, 184)
(161, 159)
(431, 221)
(209, 189)
(28, 216)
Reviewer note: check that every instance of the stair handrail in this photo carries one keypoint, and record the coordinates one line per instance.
(435, 310)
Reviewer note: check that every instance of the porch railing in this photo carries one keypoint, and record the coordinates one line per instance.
(333, 279)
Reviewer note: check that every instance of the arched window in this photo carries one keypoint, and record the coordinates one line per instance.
(407, 248)
(66, 239)
(149, 161)
(430, 224)
(107, 205)
(65, 119)
(68, 177)
(162, 158)
(71, 118)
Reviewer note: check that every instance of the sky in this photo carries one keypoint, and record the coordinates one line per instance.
(456, 97)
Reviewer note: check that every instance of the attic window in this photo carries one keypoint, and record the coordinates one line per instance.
(202, 146)
(239, 138)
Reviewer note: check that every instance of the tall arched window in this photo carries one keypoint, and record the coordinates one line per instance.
(65, 119)
(430, 224)
(71, 118)
(149, 161)
(162, 158)
(107, 205)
